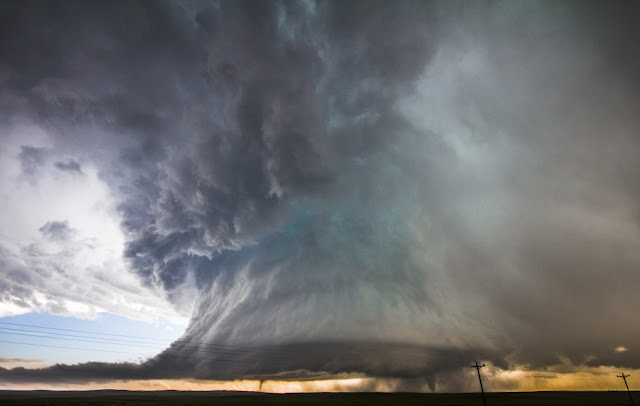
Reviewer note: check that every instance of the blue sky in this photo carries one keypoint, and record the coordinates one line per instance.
(150, 338)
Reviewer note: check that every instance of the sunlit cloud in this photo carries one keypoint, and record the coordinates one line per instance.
(19, 361)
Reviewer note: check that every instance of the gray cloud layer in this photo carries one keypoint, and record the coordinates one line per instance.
(357, 181)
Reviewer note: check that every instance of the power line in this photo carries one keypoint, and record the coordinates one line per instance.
(75, 335)
(183, 346)
(477, 367)
(67, 348)
(123, 352)
(110, 339)
(624, 378)
(96, 341)
(77, 331)
(185, 342)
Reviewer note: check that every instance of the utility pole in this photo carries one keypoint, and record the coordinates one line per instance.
(624, 378)
(477, 367)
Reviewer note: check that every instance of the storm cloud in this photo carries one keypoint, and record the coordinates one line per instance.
(387, 188)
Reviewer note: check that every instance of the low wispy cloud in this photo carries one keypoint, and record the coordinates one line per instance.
(19, 361)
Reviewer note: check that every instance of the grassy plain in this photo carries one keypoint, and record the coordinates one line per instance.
(172, 398)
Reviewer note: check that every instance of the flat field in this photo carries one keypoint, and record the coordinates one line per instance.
(166, 398)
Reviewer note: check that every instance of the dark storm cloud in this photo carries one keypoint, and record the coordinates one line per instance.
(56, 230)
(354, 183)
(31, 159)
(81, 373)
(69, 166)
(324, 360)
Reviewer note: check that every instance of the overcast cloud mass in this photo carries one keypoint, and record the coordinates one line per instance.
(386, 188)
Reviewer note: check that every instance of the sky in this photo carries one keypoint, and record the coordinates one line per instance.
(300, 195)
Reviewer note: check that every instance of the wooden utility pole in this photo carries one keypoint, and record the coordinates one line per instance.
(624, 378)
(477, 367)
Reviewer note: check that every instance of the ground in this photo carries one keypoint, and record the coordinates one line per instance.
(126, 398)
